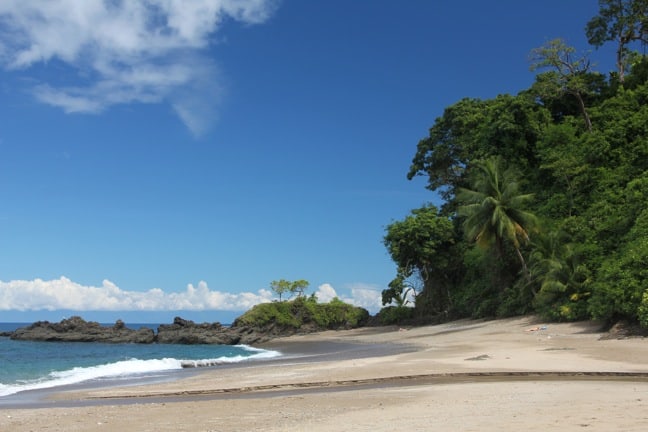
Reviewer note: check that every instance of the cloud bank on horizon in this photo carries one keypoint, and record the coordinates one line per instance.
(123, 52)
(64, 294)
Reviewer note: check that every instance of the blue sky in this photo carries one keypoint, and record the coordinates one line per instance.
(171, 160)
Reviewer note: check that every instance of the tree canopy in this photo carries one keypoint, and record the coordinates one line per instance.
(283, 286)
(494, 209)
(544, 193)
(421, 246)
(622, 22)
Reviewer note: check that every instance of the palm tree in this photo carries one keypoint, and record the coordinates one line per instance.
(494, 209)
(557, 269)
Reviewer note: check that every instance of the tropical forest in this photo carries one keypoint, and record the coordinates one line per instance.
(543, 195)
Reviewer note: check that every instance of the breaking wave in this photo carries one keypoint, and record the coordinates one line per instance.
(125, 369)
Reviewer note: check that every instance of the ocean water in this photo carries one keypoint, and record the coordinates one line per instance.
(26, 365)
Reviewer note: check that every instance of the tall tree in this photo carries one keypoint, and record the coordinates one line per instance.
(298, 287)
(493, 209)
(453, 138)
(620, 21)
(280, 287)
(283, 286)
(420, 245)
(567, 74)
(473, 129)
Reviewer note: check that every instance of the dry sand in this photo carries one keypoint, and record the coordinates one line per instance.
(460, 376)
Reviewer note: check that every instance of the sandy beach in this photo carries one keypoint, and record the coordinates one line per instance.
(514, 374)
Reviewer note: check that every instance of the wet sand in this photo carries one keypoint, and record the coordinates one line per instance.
(462, 376)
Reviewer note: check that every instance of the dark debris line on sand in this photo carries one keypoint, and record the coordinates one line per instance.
(424, 379)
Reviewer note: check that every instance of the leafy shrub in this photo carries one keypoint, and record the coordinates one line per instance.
(302, 311)
(643, 310)
(395, 314)
(622, 278)
(265, 314)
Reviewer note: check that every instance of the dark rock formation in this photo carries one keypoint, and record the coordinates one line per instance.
(250, 335)
(187, 332)
(182, 331)
(76, 329)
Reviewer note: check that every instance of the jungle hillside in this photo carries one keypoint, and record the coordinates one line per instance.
(544, 193)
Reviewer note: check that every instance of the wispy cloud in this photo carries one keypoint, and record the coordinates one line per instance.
(121, 52)
(64, 294)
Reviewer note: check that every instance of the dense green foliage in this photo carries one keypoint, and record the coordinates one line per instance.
(545, 193)
(396, 315)
(304, 311)
(418, 246)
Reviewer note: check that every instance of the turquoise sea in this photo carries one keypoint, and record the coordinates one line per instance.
(28, 365)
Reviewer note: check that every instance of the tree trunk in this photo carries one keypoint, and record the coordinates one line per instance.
(581, 105)
(527, 274)
(619, 63)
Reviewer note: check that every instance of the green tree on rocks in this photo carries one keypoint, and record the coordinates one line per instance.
(283, 286)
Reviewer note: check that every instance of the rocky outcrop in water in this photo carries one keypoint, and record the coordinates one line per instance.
(251, 335)
(76, 329)
(181, 331)
(187, 332)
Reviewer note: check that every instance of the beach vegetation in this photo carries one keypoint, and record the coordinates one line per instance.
(422, 247)
(493, 210)
(643, 310)
(394, 315)
(303, 312)
(540, 197)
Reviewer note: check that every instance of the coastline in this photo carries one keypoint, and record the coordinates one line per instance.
(386, 379)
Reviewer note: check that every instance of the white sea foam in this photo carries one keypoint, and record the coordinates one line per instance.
(258, 355)
(129, 368)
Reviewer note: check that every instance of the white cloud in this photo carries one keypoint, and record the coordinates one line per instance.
(128, 51)
(325, 293)
(362, 295)
(366, 296)
(65, 294)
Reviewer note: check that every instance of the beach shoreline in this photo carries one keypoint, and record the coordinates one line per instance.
(303, 352)
(367, 379)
